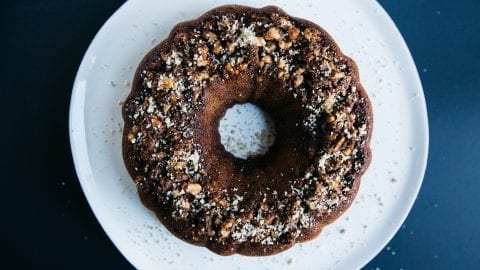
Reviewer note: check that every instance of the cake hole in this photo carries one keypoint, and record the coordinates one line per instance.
(246, 131)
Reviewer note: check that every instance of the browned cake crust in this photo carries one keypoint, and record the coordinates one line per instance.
(293, 70)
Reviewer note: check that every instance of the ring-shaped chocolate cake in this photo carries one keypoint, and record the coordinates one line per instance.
(290, 68)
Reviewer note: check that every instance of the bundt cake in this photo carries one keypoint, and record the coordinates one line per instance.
(290, 68)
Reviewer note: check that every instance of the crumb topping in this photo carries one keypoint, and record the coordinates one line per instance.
(162, 112)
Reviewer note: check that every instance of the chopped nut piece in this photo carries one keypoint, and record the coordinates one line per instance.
(185, 204)
(176, 193)
(180, 165)
(281, 63)
(243, 66)
(165, 108)
(155, 122)
(246, 216)
(334, 185)
(312, 204)
(267, 59)
(271, 46)
(229, 68)
(224, 233)
(318, 187)
(328, 104)
(331, 138)
(331, 65)
(330, 118)
(261, 42)
(217, 48)
(224, 22)
(230, 47)
(201, 62)
(338, 75)
(166, 83)
(131, 137)
(202, 59)
(202, 50)
(284, 45)
(347, 151)
(273, 33)
(182, 36)
(202, 76)
(193, 188)
(263, 206)
(299, 71)
(210, 36)
(213, 184)
(285, 21)
(225, 229)
(222, 203)
(339, 143)
(269, 218)
(308, 34)
(298, 80)
(293, 33)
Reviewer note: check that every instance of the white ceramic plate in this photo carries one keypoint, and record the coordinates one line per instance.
(400, 141)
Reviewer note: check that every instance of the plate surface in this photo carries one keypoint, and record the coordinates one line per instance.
(400, 140)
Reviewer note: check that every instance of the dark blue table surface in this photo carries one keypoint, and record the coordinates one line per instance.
(48, 224)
